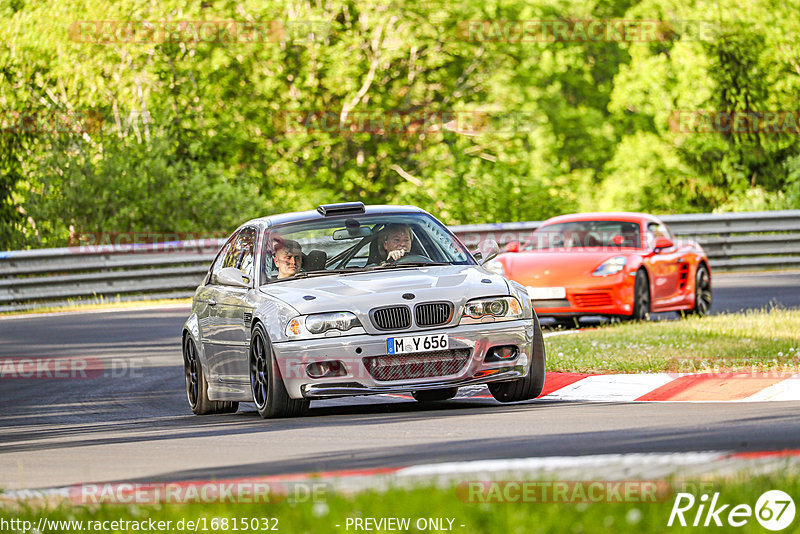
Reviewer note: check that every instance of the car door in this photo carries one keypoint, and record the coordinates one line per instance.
(664, 265)
(232, 312)
(206, 301)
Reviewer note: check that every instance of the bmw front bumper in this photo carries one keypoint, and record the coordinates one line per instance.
(294, 357)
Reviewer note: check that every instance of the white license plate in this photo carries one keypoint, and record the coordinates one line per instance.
(545, 293)
(407, 345)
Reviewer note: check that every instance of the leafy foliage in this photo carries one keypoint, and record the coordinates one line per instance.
(102, 132)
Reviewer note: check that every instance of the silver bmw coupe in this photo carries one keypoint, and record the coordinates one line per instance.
(355, 300)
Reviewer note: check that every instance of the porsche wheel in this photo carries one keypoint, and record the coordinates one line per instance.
(530, 386)
(433, 395)
(702, 291)
(269, 393)
(641, 297)
(196, 385)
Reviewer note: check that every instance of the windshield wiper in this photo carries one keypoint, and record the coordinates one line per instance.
(395, 265)
(306, 274)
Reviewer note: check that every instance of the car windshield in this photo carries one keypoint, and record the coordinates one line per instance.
(358, 243)
(583, 234)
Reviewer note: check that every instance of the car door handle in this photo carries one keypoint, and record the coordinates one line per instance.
(212, 302)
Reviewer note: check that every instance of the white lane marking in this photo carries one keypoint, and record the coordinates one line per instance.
(561, 333)
(623, 388)
(558, 463)
(628, 466)
(785, 390)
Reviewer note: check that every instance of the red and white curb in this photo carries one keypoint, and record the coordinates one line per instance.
(604, 467)
(660, 387)
(703, 387)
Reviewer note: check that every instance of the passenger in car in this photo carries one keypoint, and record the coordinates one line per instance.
(288, 257)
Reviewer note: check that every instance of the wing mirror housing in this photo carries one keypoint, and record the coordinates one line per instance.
(513, 246)
(487, 250)
(662, 243)
(231, 276)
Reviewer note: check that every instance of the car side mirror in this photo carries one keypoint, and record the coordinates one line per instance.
(231, 276)
(512, 246)
(487, 250)
(663, 242)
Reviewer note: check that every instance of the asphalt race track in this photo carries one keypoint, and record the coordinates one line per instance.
(129, 421)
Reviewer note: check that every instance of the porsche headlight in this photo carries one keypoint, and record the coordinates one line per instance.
(319, 323)
(610, 266)
(496, 308)
(494, 266)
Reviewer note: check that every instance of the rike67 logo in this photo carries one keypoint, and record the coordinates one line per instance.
(774, 510)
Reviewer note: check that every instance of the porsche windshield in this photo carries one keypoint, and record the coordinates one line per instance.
(586, 234)
(358, 243)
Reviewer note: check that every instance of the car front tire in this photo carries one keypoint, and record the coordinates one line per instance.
(530, 386)
(266, 384)
(641, 297)
(196, 385)
(702, 291)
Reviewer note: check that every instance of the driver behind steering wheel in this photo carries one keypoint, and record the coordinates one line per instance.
(396, 241)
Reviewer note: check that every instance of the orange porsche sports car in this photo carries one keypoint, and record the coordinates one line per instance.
(613, 264)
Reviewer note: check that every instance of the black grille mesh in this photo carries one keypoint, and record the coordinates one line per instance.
(433, 314)
(395, 318)
(421, 365)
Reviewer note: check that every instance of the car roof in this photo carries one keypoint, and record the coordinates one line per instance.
(311, 215)
(626, 216)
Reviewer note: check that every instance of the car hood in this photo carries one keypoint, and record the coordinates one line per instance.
(554, 268)
(360, 292)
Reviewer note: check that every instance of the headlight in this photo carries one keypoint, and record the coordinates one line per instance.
(502, 308)
(494, 266)
(319, 323)
(610, 266)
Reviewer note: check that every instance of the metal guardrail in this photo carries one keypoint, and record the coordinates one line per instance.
(46, 277)
(101, 273)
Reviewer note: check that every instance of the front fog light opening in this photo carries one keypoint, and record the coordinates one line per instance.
(505, 353)
(326, 369)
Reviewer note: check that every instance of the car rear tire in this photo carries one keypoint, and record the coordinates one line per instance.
(702, 291)
(530, 386)
(266, 384)
(196, 385)
(641, 297)
(434, 395)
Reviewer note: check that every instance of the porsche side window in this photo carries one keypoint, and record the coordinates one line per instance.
(655, 230)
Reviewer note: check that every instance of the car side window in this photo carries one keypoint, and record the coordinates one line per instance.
(217, 265)
(655, 230)
(241, 252)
